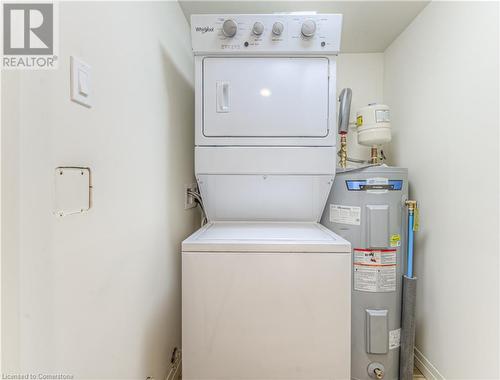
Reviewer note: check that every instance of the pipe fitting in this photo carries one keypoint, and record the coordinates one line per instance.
(412, 205)
(343, 150)
(374, 155)
(376, 370)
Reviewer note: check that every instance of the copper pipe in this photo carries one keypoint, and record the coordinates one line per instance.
(343, 150)
(374, 158)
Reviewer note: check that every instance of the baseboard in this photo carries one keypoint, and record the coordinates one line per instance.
(426, 367)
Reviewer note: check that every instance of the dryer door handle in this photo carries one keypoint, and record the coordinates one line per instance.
(222, 96)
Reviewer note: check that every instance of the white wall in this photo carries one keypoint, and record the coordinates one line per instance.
(98, 295)
(9, 223)
(441, 81)
(364, 74)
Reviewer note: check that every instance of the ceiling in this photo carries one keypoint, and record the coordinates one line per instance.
(369, 26)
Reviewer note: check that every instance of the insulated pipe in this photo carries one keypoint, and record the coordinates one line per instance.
(344, 113)
(344, 110)
(406, 359)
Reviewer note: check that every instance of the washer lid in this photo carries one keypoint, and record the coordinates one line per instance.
(264, 237)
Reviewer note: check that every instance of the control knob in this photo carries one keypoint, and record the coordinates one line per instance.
(229, 28)
(308, 28)
(258, 28)
(278, 28)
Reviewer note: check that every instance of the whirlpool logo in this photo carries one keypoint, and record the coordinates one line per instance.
(204, 29)
(29, 36)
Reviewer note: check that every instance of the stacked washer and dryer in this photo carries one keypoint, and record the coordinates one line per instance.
(266, 289)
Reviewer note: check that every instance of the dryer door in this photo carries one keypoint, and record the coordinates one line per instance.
(265, 97)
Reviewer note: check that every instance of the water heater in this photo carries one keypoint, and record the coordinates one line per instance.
(367, 208)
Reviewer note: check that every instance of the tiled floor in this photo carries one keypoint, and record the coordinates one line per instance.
(417, 374)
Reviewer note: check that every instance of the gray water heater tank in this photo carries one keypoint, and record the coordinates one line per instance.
(367, 207)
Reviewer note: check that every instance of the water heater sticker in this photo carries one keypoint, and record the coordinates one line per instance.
(394, 339)
(395, 240)
(375, 257)
(345, 214)
(374, 270)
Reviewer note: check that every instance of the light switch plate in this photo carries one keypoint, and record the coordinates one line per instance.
(81, 82)
(72, 190)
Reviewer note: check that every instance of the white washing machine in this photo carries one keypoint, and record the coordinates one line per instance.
(265, 301)
(265, 288)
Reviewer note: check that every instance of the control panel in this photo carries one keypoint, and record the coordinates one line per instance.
(266, 33)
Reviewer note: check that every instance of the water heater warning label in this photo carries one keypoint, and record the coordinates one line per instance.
(394, 339)
(345, 214)
(374, 270)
